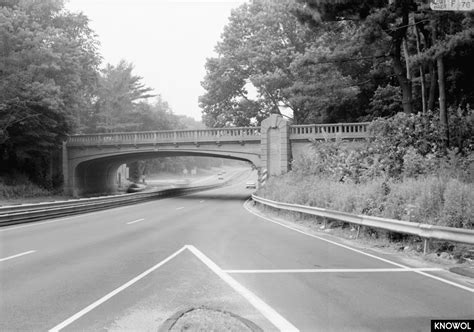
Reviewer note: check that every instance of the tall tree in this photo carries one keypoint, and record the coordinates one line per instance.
(118, 99)
(257, 48)
(382, 22)
(48, 66)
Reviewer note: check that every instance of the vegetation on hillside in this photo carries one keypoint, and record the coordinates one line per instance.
(319, 61)
(339, 61)
(52, 85)
(401, 173)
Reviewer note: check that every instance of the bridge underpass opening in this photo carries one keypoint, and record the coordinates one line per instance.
(99, 175)
(90, 161)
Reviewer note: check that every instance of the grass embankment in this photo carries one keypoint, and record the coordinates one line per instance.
(429, 199)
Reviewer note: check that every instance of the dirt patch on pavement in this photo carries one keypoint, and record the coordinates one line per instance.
(207, 319)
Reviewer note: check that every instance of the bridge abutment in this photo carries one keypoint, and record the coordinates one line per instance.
(275, 144)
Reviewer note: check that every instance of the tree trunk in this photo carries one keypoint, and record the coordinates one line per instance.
(443, 114)
(422, 72)
(406, 55)
(405, 84)
(429, 39)
(432, 92)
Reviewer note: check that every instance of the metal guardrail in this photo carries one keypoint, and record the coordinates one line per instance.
(425, 231)
(24, 213)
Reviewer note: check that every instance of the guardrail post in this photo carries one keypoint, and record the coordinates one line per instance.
(358, 231)
(426, 245)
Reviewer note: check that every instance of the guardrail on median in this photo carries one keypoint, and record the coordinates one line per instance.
(425, 231)
(24, 213)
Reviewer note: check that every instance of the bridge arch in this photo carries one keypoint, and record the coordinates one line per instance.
(91, 161)
(96, 173)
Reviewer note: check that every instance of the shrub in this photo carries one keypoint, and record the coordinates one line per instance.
(20, 187)
(458, 210)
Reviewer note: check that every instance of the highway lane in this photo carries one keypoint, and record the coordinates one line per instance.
(79, 260)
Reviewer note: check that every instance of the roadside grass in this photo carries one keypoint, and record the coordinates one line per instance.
(429, 199)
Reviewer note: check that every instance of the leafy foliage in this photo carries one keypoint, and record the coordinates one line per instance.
(386, 101)
(118, 96)
(265, 47)
(48, 67)
(403, 146)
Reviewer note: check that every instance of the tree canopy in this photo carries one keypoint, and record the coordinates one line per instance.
(48, 72)
(51, 86)
(345, 60)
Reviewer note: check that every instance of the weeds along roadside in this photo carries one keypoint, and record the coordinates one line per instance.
(401, 173)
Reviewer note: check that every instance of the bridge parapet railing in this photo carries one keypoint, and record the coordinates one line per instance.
(330, 131)
(167, 136)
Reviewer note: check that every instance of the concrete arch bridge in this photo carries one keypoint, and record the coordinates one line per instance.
(90, 162)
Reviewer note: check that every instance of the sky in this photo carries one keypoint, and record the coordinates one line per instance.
(168, 41)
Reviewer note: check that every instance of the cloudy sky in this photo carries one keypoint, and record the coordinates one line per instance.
(168, 41)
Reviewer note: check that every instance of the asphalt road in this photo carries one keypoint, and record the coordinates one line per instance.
(131, 268)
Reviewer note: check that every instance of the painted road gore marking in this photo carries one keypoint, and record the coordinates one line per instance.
(333, 270)
(17, 255)
(246, 206)
(268, 312)
(135, 221)
(113, 293)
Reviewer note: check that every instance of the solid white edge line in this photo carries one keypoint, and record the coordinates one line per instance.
(268, 312)
(356, 250)
(17, 255)
(113, 293)
(332, 270)
(134, 221)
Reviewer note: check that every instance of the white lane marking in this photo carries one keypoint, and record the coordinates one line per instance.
(135, 221)
(358, 251)
(202, 201)
(114, 292)
(332, 270)
(17, 255)
(268, 312)
(180, 208)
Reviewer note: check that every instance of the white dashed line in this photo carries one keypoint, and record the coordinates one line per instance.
(17, 255)
(135, 221)
(202, 201)
(180, 208)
